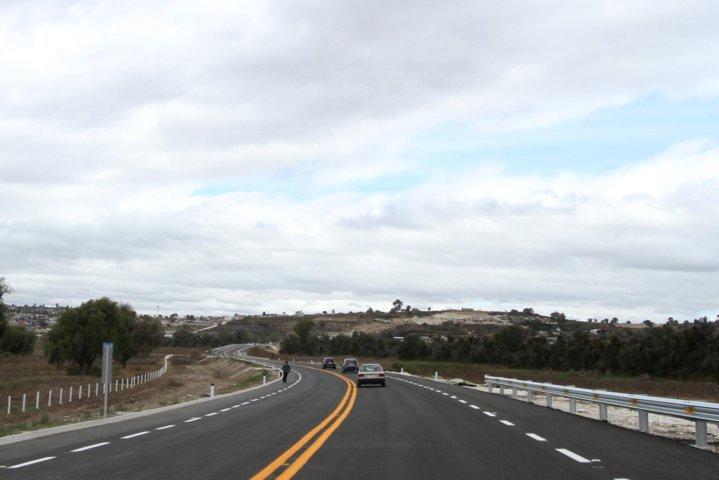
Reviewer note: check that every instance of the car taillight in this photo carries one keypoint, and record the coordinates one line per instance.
(381, 374)
(360, 374)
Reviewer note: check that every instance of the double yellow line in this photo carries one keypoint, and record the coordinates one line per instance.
(320, 433)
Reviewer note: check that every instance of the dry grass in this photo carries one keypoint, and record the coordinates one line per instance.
(189, 377)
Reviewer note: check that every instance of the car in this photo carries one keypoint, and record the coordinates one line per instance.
(370, 373)
(329, 362)
(350, 365)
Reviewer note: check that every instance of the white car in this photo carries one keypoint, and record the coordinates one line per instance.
(370, 373)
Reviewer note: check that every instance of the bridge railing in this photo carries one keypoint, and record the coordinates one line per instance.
(698, 412)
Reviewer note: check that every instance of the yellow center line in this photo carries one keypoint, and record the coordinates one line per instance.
(312, 449)
(282, 459)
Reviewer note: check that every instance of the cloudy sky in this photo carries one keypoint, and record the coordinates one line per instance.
(316, 155)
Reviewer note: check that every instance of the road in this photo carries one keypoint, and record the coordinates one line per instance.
(318, 426)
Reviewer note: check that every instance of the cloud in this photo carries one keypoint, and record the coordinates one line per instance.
(113, 114)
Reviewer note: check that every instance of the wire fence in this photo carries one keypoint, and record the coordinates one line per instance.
(76, 393)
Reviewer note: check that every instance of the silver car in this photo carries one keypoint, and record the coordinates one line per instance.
(370, 373)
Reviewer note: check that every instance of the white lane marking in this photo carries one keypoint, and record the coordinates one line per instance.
(475, 407)
(507, 423)
(439, 391)
(489, 414)
(536, 437)
(225, 409)
(31, 462)
(621, 478)
(245, 403)
(454, 397)
(193, 419)
(89, 447)
(165, 427)
(234, 406)
(254, 399)
(211, 414)
(445, 393)
(463, 401)
(573, 455)
(135, 435)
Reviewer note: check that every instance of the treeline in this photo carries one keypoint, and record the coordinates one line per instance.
(672, 350)
(14, 339)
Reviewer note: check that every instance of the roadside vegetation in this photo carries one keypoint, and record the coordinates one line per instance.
(688, 350)
(14, 339)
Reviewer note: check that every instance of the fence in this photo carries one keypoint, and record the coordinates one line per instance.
(61, 396)
(699, 412)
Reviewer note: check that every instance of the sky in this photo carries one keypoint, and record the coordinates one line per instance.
(240, 157)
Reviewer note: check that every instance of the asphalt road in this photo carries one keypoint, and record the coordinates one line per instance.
(412, 428)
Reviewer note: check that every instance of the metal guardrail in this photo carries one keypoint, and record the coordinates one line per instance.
(698, 412)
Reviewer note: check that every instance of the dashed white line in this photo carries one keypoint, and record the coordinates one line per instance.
(454, 397)
(475, 407)
(245, 403)
(165, 427)
(573, 456)
(536, 437)
(463, 401)
(254, 399)
(211, 414)
(445, 393)
(89, 447)
(31, 462)
(135, 435)
(489, 414)
(193, 419)
(225, 409)
(507, 423)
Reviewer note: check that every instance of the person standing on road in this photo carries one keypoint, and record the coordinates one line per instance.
(285, 371)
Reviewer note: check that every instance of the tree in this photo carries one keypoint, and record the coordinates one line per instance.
(4, 290)
(396, 306)
(80, 332)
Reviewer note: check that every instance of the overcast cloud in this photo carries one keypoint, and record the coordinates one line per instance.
(240, 158)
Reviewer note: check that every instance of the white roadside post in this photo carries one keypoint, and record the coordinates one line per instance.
(49, 398)
(9, 403)
(37, 400)
(61, 396)
(70, 399)
(701, 433)
(264, 379)
(212, 390)
(436, 375)
(24, 397)
(106, 373)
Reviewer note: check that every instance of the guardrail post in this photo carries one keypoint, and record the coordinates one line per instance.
(530, 396)
(501, 389)
(573, 405)
(643, 421)
(701, 435)
(603, 416)
(489, 388)
(550, 400)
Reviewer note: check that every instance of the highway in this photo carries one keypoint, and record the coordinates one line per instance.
(319, 426)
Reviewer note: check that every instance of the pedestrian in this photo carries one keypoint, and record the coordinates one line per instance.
(285, 371)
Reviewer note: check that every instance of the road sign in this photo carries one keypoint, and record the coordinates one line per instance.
(106, 372)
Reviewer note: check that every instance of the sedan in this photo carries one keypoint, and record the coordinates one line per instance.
(370, 373)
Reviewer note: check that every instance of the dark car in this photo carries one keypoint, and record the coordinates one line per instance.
(329, 362)
(350, 365)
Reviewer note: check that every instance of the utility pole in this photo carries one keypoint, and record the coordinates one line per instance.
(106, 373)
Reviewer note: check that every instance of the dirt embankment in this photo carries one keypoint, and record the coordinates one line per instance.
(188, 377)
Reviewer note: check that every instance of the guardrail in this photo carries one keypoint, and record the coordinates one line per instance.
(699, 412)
(62, 396)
